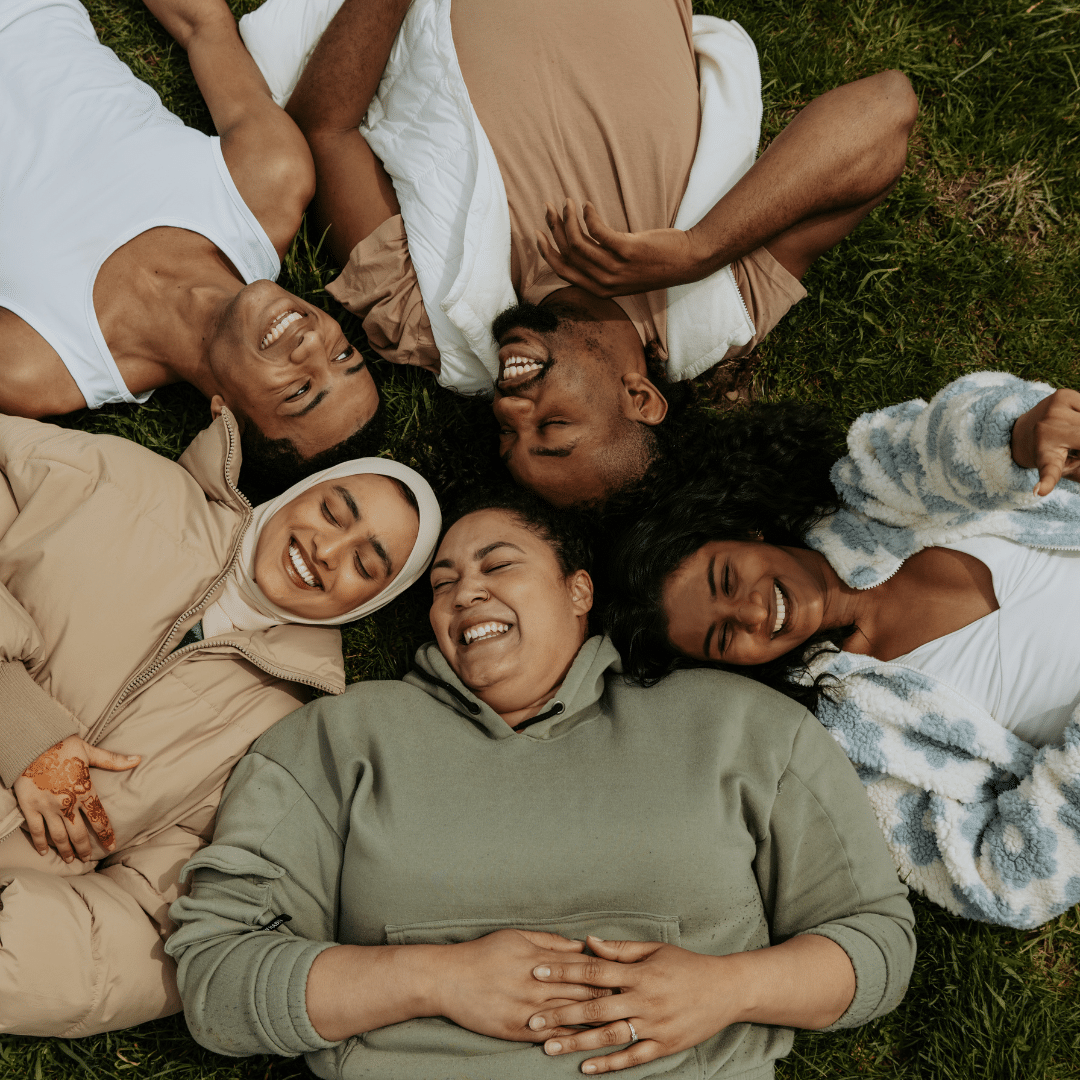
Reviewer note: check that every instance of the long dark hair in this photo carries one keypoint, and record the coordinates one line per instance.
(763, 473)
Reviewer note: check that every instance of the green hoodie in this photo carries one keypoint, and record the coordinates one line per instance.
(707, 811)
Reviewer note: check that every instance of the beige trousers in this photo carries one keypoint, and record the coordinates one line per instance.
(82, 944)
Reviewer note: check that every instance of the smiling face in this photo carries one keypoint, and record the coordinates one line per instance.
(287, 366)
(572, 396)
(744, 602)
(507, 619)
(335, 546)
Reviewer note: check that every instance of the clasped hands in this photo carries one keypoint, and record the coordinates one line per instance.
(55, 793)
(673, 998)
(607, 262)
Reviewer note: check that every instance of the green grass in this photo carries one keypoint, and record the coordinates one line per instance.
(971, 263)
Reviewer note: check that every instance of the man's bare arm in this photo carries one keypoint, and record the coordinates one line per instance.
(819, 178)
(267, 156)
(353, 195)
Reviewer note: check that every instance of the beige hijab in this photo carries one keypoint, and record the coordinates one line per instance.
(242, 604)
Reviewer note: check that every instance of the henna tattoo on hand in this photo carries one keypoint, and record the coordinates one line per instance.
(99, 821)
(69, 780)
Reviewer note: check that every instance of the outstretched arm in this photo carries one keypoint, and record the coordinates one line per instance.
(353, 196)
(819, 178)
(266, 154)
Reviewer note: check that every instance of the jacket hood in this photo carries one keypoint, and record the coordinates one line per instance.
(581, 689)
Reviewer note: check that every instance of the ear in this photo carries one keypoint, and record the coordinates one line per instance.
(581, 591)
(648, 404)
(217, 403)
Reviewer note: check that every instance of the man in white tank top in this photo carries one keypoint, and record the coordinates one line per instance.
(136, 252)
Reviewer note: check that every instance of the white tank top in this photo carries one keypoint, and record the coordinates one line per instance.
(89, 159)
(1022, 662)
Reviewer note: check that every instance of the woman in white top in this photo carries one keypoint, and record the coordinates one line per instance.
(928, 620)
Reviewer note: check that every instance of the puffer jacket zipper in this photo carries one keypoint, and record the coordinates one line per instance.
(157, 665)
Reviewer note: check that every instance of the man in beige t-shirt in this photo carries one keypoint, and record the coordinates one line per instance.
(592, 112)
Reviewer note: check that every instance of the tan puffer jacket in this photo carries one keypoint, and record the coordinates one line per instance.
(109, 553)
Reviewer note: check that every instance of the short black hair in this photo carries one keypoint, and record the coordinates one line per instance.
(566, 532)
(269, 466)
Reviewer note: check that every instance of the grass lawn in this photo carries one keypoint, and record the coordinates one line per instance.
(972, 263)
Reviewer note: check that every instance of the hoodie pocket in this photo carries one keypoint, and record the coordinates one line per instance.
(610, 925)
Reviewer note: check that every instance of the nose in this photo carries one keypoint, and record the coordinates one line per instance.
(326, 548)
(470, 590)
(751, 611)
(309, 345)
(511, 407)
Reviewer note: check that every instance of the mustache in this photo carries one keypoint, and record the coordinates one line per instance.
(525, 316)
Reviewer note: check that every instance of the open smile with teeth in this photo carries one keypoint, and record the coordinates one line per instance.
(517, 367)
(278, 327)
(781, 609)
(484, 632)
(301, 567)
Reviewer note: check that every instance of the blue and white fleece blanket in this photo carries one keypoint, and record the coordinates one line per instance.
(977, 820)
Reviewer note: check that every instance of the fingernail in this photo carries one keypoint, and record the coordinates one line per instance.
(41, 850)
(69, 858)
(537, 1022)
(553, 1047)
(590, 1068)
(542, 972)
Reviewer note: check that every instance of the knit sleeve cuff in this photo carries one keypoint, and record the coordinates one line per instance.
(33, 721)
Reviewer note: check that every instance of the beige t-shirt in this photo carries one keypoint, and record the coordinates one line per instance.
(591, 101)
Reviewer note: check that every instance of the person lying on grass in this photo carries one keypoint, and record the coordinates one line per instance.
(507, 156)
(136, 252)
(923, 607)
(147, 635)
(441, 845)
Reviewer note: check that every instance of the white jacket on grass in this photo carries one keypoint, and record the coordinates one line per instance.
(976, 819)
(423, 128)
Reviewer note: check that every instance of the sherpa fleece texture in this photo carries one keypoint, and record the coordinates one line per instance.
(976, 819)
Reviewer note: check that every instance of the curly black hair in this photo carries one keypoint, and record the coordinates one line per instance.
(565, 531)
(269, 466)
(762, 472)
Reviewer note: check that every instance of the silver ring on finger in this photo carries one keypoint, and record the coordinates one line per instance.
(633, 1034)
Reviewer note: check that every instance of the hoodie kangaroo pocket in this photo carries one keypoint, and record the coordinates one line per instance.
(610, 925)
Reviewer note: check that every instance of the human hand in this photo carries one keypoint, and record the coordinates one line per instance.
(612, 263)
(674, 999)
(56, 785)
(487, 985)
(1047, 438)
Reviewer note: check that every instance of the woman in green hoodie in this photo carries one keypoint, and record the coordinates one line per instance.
(440, 846)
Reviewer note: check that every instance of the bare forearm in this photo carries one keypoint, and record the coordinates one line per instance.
(228, 78)
(843, 149)
(355, 988)
(353, 194)
(344, 71)
(807, 982)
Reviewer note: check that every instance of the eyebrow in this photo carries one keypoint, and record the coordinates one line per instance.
(349, 501)
(323, 393)
(381, 552)
(712, 589)
(447, 564)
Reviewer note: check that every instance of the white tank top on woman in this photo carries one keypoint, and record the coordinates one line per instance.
(89, 159)
(1022, 662)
